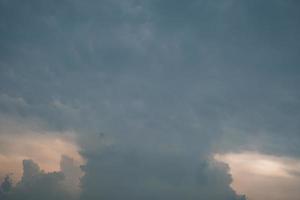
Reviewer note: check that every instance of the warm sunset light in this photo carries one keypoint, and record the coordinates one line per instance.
(46, 149)
(251, 171)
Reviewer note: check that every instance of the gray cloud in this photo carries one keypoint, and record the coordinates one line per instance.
(36, 184)
(189, 78)
(133, 174)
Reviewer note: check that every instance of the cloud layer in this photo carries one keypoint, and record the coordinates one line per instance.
(153, 89)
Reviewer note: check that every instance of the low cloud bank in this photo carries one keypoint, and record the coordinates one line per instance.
(123, 172)
(38, 184)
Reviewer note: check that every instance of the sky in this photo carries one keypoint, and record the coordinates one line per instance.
(149, 99)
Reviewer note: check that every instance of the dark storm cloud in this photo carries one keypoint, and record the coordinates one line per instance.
(142, 63)
(134, 174)
(184, 78)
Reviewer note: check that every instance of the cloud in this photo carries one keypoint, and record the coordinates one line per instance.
(133, 174)
(215, 63)
(36, 183)
(164, 78)
(72, 173)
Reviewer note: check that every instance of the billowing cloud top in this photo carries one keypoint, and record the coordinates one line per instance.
(153, 88)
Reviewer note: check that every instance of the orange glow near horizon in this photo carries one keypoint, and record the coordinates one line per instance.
(45, 149)
(262, 176)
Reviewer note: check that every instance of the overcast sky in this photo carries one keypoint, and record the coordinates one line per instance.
(155, 99)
